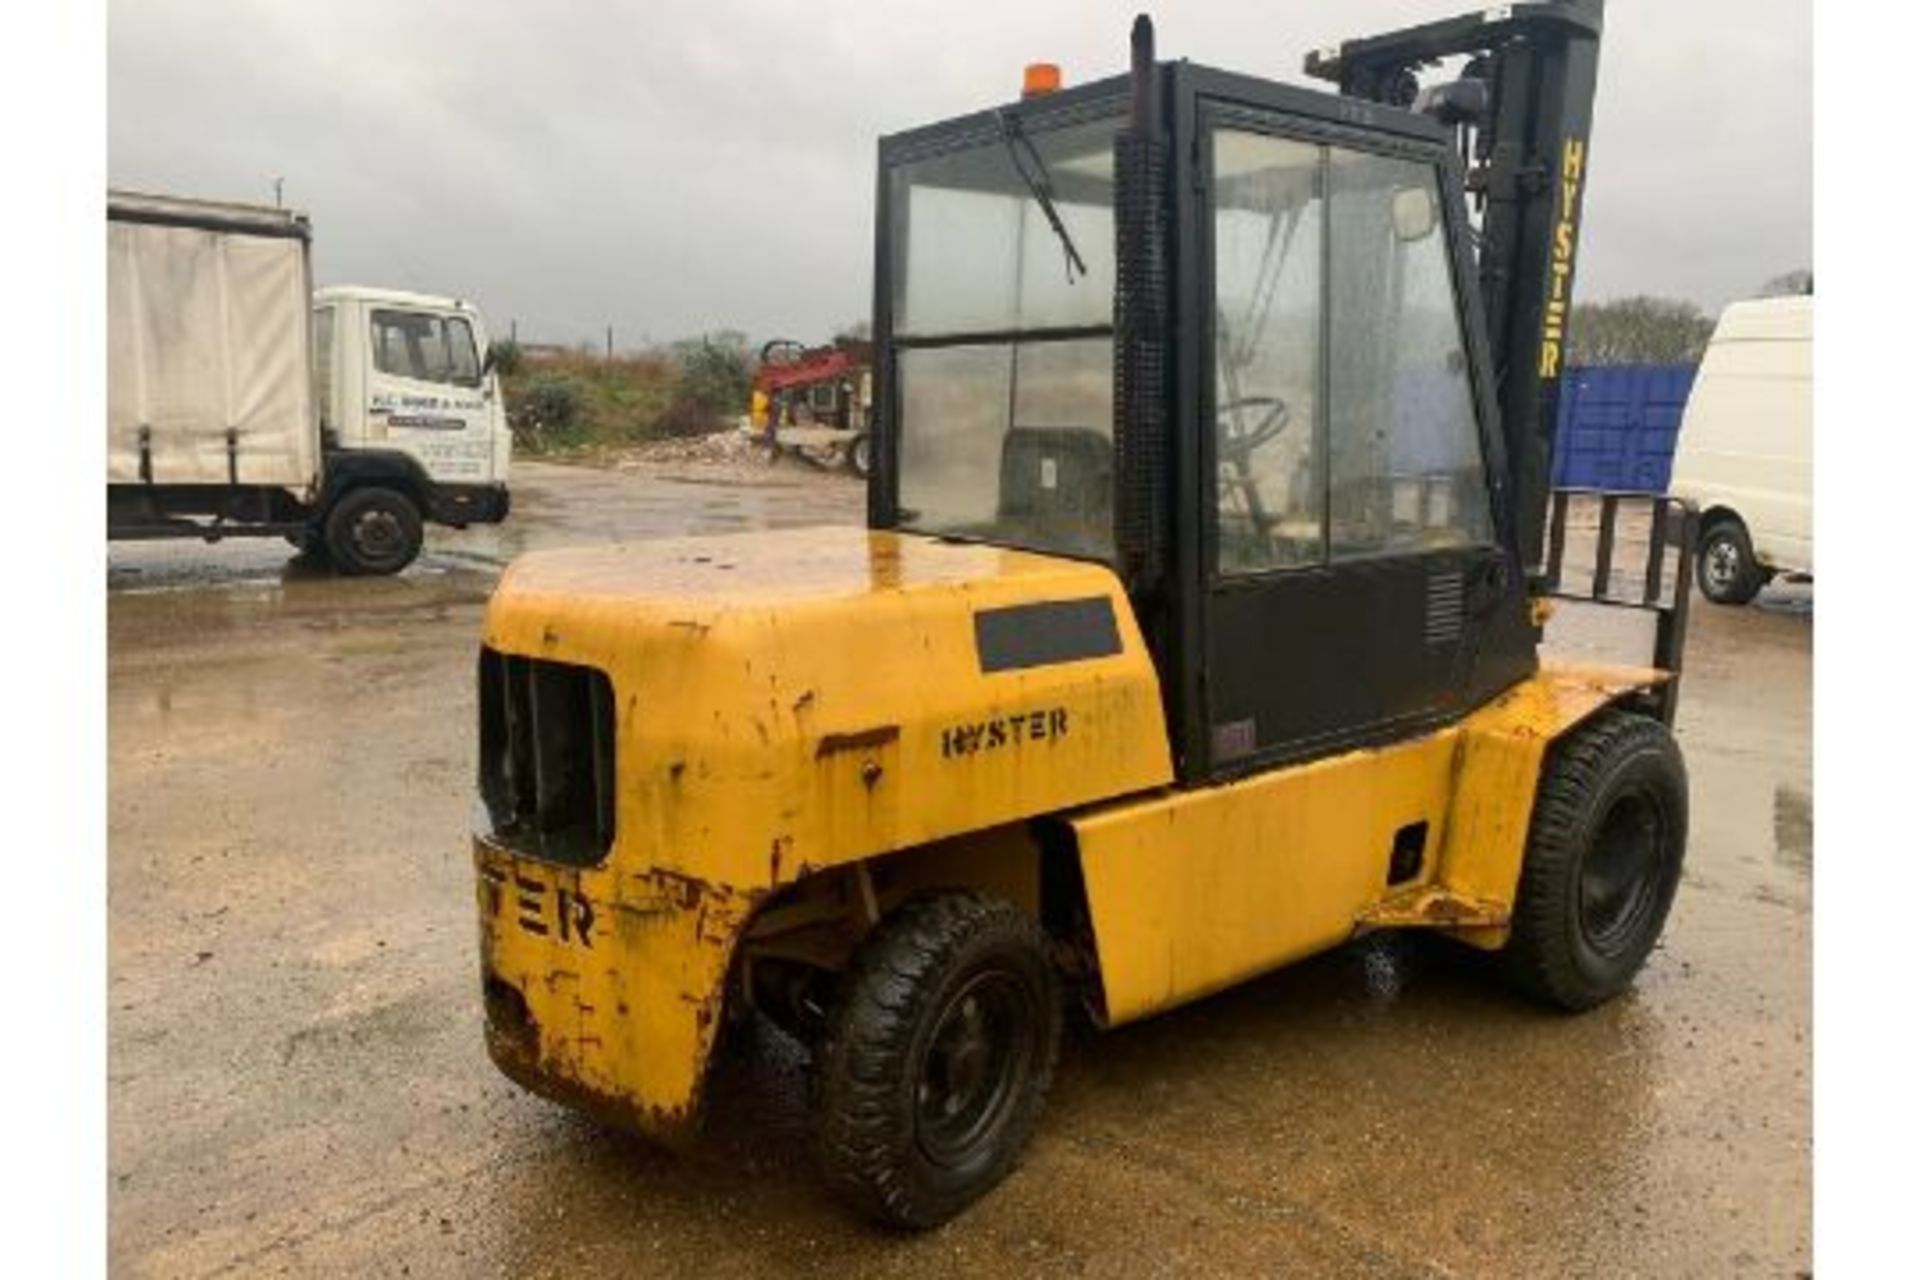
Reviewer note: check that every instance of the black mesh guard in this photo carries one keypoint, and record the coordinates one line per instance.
(1140, 355)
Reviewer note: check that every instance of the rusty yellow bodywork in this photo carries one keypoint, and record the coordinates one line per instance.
(785, 703)
(791, 705)
(1192, 891)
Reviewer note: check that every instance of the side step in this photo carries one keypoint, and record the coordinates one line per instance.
(1432, 907)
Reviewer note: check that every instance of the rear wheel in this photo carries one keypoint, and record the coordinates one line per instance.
(937, 1058)
(1726, 569)
(1603, 860)
(860, 456)
(373, 530)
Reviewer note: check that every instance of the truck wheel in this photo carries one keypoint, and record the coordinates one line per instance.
(860, 456)
(373, 530)
(937, 1058)
(1726, 569)
(1603, 860)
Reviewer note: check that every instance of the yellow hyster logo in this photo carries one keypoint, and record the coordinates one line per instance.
(1572, 162)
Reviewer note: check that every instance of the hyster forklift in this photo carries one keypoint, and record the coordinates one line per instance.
(1194, 629)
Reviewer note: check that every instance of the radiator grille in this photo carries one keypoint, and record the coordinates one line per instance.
(546, 757)
(1446, 607)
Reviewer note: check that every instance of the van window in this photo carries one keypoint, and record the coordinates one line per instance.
(425, 347)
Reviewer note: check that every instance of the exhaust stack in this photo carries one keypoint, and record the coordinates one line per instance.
(1141, 331)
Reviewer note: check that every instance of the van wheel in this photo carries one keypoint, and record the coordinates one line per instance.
(373, 530)
(937, 1058)
(860, 456)
(1602, 863)
(1726, 569)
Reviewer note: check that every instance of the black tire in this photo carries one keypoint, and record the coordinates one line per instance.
(1603, 860)
(937, 1058)
(860, 456)
(1725, 567)
(373, 530)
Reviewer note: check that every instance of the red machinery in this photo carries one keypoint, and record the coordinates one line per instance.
(816, 399)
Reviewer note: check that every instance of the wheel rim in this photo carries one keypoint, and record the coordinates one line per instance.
(969, 1077)
(1722, 564)
(1621, 875)
(861, 457)
(377, 534)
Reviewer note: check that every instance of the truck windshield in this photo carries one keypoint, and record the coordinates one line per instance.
(425, 347)
(1002, 308)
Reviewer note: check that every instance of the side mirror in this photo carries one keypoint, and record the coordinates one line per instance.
(1414, 215)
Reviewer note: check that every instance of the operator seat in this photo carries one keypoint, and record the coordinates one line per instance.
(1056, 488)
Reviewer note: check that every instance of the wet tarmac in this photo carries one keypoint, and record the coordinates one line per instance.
(297, 1083)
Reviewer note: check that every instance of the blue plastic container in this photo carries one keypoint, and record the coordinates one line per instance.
(1618, 424)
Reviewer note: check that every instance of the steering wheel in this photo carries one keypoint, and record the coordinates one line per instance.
(1236, 445)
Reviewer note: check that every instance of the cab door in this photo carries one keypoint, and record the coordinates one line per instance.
(1350, 551)
(425, 391)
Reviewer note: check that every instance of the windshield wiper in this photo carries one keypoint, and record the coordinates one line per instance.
(1040, 183)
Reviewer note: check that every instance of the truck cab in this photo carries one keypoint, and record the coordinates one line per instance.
(401, 379)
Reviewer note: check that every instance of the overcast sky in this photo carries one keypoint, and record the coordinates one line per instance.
(675, 166)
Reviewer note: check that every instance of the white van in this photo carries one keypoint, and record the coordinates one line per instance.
(1745, 451)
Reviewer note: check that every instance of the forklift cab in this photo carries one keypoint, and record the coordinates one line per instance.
(1253, 376)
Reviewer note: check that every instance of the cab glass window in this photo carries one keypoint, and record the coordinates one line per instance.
(1023, 452)
(425, 347)
(1002, 265)
(1268, 245)
(974, 250)
(1344, 417)
(1405, 469)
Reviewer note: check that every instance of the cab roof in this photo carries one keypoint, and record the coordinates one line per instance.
(1109, 95)
(398, 297)
(1767, 320)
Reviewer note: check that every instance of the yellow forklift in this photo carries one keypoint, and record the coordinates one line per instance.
(1194, 628)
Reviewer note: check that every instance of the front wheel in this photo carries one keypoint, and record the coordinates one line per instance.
(937, 1058)
(373, 530)
(1603, 860)
(1727, 571)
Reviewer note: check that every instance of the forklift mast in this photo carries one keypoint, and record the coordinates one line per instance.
(1522, 107)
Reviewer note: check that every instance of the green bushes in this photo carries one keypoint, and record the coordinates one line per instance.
(562, 402)
(716, 377)
(504, 357)
(549, 404)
